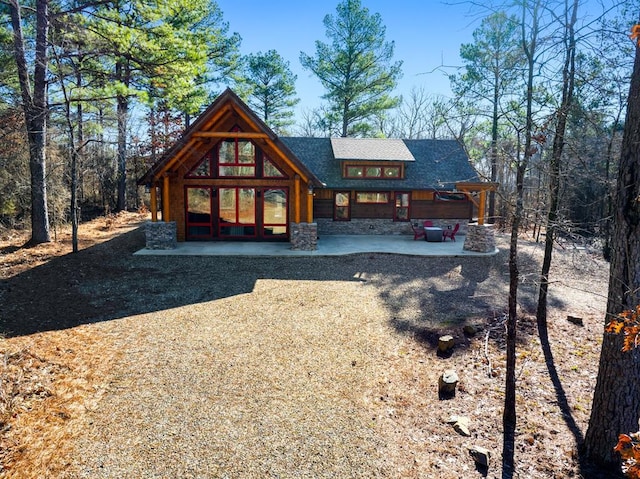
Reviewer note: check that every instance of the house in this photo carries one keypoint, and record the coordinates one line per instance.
(230, 177)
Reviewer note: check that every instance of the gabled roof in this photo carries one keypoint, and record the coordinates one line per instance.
(375, 149)
(437, 165)
(194, 140)
(428, 164)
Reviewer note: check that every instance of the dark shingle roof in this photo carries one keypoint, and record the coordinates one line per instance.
(438, 165)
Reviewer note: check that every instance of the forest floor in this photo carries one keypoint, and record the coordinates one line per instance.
(57, 368)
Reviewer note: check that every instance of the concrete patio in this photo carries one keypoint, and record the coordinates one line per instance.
(328, 245)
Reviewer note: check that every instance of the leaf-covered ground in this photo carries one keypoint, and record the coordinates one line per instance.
(56, 367)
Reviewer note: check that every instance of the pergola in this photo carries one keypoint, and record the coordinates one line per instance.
(477, 187)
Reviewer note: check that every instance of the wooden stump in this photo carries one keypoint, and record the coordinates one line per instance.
(447, 383)
(446, 344)
(575, 320)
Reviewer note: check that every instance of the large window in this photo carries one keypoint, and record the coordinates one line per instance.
(274, 212)
(236, 158)
(198, 212)
(237, 211)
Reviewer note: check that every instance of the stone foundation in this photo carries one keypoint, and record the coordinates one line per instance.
(161, 235)
(480, 238)
(366, 226)
(304, 236)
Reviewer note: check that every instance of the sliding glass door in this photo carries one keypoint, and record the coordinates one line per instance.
(237, 212)
(241, 213)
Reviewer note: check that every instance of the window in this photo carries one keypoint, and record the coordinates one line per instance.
(269, 170)
(368, 197)
(401, 212)
(373, 172)
(236, 158)
(237, 211)
(202, 168)
(341, 206)
(274, 212)
(198, 212)
(392, 172)
(355, 172)
(377, 171)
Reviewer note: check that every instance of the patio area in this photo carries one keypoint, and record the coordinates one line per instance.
(328, 245)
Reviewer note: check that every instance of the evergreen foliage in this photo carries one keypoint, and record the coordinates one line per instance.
(356, 68)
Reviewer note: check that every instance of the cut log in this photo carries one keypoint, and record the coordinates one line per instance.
(445, 344)
(448, 383)
(575, 320)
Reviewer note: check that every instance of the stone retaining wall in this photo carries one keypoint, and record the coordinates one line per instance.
(161, 235)
(480, 238)
(304, 236)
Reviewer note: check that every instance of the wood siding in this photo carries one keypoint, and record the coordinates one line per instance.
(423, 205)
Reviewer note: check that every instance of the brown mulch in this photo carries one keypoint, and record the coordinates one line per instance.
(124, 366)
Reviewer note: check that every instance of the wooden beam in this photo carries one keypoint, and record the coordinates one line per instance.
(230, 134)
(483, 197)
(310, 205)
(165, 199)
(187, 148)
(283, 157)
(154, 204)
(296, 193)
(476, 186)
(217, 117)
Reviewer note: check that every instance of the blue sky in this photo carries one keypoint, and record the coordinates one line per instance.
(427, 34)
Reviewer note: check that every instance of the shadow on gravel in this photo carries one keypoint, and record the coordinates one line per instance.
(424, 295)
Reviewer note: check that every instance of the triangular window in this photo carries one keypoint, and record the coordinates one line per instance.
(269, 169)
(202, 168)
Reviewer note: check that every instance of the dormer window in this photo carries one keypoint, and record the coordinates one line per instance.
(372, 171)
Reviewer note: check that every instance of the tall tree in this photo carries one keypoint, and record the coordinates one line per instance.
(356, 69)
(160, 46)
(492, 66)
(616, 400)
(568, 81)
(530, 16)
(272, 89)
(34, 103)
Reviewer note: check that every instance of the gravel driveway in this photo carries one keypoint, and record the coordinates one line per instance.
(270, 367)
(262, 367)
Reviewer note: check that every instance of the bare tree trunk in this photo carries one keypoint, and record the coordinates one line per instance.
(509, 416)
(568, 77)
(494, 146)
(616, 400)
(34, 104)
(122, 75)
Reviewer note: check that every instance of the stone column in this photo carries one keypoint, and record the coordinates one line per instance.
(480, 238)
(161, 234)
(304, 236)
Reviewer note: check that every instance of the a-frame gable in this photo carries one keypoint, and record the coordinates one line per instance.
(217, 122)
